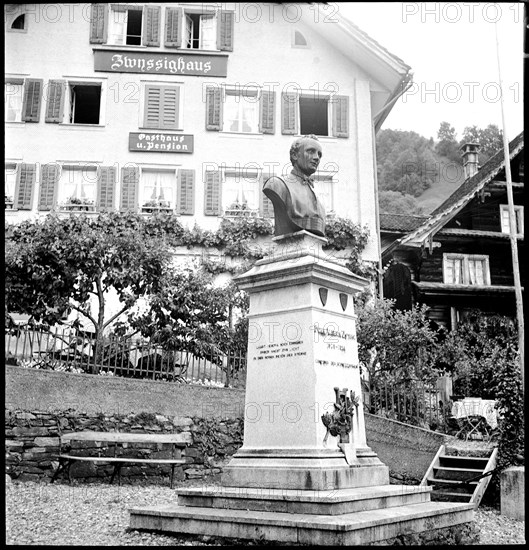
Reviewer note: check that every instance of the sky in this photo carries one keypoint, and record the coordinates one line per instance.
(451, 49)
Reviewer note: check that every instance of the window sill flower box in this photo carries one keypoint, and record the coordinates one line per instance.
(78, 205)
(156, 206)
(9, 202)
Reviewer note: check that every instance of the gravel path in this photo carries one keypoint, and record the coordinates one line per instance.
(97, 515)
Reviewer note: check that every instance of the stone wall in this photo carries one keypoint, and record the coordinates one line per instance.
(32, 441)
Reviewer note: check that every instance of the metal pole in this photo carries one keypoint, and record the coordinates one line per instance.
(512, 224)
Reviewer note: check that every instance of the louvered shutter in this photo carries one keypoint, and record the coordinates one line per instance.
(49, 181)
(186, 192)
(266, 208)
(32, 97)
(225, 26)
(26, 176)
(212, 194)
(106, 188)
(98, 23)
(213, 108)
(340, 109)
(55, 104)
(267, 112)
(289, 113)
(151, 29)
(130, 179)
(173, 27)
(161, 107)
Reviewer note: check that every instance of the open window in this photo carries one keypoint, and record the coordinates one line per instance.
(310, 112)
(200, 31)
(125, 25)
(75, 102)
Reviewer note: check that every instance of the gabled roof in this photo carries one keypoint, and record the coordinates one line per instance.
(462, 195)
(400, 222)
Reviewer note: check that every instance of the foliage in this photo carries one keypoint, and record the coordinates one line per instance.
(395, 202)
(447, 146)
(342, 234)
(406, 162)
(213, 437)
(395, 344)
(490, 140)
(58, 264)
(471, 353)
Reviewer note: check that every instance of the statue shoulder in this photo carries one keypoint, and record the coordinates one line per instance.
(275, 186)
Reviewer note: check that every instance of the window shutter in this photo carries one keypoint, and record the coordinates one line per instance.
(173, 27)
(267, 112)
(340, 109)
(161, 107)
(213, 108)
(55, 106)
(226, 20)
(98, 24)
(26, 176)
(266, 208)
(32, 97)
(49, 179)
(186, 192)
(106, 188)
(130, 179)
(151, 36)
(212, 194)
(289, 113)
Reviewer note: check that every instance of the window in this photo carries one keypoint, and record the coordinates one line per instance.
(85, 103)
(314, 113)
(14, 19)
(200, 31)
(241, 111)
(22, 99)
(10, 181)
(77, 188)
(505, 224)
(158, 190)
(466, 269)
(75, 102)
(162, 106)
(324, 189)
(125, 26)
(13, 101)
(240, 193)
(299, 40)
(19, 23)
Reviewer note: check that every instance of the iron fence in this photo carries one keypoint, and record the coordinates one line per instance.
(410, 401)
(71, 350)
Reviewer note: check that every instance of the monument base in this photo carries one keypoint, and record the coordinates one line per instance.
(316, 470)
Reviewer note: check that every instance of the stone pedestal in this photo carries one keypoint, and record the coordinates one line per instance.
(301, 345)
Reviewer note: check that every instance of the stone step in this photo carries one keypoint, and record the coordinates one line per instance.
(330, 502)
(456, 474)
(357, 528)
(472, 462)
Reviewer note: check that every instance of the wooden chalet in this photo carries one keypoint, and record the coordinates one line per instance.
(459, 257)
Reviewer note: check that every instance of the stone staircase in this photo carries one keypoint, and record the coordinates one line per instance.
(459, 478)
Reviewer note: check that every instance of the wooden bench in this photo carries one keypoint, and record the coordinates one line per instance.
(120, 441)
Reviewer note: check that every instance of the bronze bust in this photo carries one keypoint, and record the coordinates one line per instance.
(296, 206)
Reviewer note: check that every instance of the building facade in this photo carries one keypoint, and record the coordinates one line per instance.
(189, 107)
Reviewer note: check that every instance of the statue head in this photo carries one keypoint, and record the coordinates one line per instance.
(305, 154)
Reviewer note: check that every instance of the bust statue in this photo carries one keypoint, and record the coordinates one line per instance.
(296, 206)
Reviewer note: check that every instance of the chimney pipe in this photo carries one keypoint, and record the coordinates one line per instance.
(469, 152)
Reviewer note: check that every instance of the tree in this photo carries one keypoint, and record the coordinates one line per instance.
(61, 264)
(394, 202)
(447, 146)
(490, 140)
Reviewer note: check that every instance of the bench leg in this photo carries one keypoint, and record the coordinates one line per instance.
(117, 470)
(172, 474)
(63, 463)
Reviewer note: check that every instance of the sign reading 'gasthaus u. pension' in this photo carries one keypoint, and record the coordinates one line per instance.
(161, 143)
(160, 63)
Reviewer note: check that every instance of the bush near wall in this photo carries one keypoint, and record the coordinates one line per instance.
(32, 440)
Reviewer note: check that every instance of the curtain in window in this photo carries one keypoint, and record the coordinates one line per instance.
(241, 192)
(118, 27)
(208, 35)
(10, 180)
(241, 112)
(475, 272)
(13, 102)
(158, 188)
(77, 184)
(454, 271)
